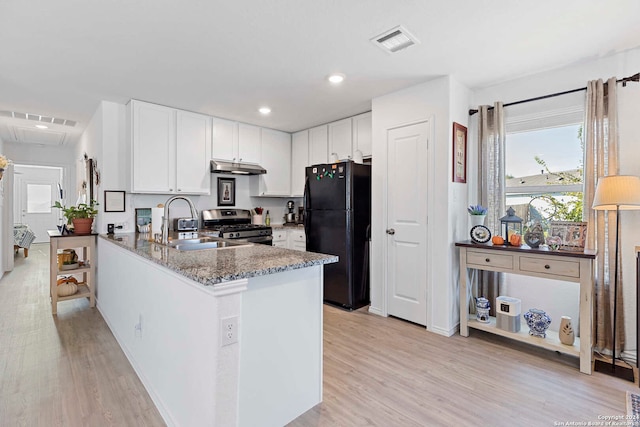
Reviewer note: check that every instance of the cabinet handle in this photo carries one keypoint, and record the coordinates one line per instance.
(487, 260)
(240, 160)
(547, 266)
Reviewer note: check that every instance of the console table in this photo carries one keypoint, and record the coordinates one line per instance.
(560, 265)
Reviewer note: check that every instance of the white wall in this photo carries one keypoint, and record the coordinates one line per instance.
(619, 65)
(441, 101)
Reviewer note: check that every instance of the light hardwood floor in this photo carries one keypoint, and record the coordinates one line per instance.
(69, 371)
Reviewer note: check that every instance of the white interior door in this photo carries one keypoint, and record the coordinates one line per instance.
(407, 222)
(36, 190)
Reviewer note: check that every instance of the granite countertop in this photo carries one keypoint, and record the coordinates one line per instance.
(211, 266)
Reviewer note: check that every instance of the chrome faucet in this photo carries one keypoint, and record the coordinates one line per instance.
(165, 216)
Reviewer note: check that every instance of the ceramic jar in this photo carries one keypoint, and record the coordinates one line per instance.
(565, 333)
(538, 322)
(482, 309)
(477, 220)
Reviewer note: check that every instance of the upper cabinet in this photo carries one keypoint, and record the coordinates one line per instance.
(362, 131)
(249, 144)
(318, 145)
(276, 159)
(340, 139)
(235, 142)
(170, 150)
(299, 161)
(224, 140)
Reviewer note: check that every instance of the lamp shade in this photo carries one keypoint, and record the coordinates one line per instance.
(617, 191)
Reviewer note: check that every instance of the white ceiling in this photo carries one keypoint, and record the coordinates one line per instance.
(226, 58)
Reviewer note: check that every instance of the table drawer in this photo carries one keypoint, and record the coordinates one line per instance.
(552, 267)
(500, 261)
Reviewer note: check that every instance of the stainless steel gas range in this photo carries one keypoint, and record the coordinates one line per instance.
(235, 224)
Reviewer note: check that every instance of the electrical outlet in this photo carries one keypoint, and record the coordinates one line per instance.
(228, 331)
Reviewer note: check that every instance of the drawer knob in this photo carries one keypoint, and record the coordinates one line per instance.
(487, 260)
(547, 266)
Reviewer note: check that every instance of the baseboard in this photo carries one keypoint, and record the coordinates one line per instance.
(377, 311)
(444, 332)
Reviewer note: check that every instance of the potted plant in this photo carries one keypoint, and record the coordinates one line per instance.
(81, 216)
(478, 213)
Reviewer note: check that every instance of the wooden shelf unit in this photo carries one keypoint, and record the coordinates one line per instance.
(559, 265)
(86, 286)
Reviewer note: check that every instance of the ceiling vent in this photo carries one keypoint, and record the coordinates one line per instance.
(395, 39)
(37, 118)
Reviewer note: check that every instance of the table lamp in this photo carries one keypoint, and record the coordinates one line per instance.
(616, 192)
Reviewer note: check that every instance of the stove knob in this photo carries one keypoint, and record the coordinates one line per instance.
(237, 234)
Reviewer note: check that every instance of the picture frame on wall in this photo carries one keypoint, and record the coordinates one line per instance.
(573, 235)
(114, 201)
(459, 153)
(226, 191)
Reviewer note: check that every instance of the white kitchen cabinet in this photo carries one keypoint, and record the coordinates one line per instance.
(362, 131)
(340, 139)
(170, 150)
(276, 159)
(280, 238)
(299, 161)
(235, 142)
(193, 142)
(249, 144)
(318, 145)
(224, 144)
(296, 239)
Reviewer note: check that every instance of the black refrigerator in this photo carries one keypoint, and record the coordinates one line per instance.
(337, 218)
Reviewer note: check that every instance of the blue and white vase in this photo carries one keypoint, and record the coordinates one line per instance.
(538, 322)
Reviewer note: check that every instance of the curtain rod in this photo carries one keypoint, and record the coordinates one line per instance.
(634, 78)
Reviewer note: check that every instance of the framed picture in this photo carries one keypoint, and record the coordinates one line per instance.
(572, 235)
(114, 201)
(226, 191)
(459, 153)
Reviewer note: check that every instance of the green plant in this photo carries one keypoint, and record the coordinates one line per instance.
(83, 210)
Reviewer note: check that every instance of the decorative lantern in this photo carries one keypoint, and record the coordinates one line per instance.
(510, 224)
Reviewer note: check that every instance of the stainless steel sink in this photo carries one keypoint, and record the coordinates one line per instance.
(200, 243)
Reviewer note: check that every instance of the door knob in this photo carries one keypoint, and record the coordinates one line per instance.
(391, 231)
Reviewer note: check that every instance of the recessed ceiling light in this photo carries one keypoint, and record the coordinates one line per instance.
(264, 110)
(42, 127)
(336, 78)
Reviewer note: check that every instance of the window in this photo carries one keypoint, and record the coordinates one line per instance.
(544, 173)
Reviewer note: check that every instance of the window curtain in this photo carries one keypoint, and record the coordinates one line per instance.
(491, 140)
(601, 159)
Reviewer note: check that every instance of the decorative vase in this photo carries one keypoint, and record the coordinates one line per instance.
(477, 220)
(566, 334)
(538, 322)
(82, 225)
(482, 309)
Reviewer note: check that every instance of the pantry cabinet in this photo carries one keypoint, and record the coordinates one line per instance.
(170, 150)
(299, 161)
(340, 135)
(275, 158)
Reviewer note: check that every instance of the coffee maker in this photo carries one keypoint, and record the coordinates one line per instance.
(290, 217)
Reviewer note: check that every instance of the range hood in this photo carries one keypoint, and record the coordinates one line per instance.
(222, 166)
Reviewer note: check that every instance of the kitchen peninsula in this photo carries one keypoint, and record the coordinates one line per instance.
(228, 336)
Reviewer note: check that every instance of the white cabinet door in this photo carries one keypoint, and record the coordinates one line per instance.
(193, 142)
(248, 143)
(299, 161)
(224, 144)
(276, 159)
(153, 148)
(280, 238)
(318, 145)
(362, 132)
(340, 139)
(297, 240)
